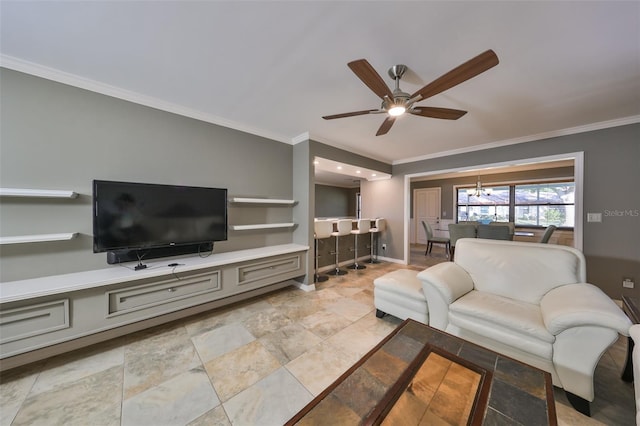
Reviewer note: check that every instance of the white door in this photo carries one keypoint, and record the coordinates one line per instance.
(426, 206)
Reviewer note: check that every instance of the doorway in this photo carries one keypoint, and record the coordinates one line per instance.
(578, 169)
(426, 207)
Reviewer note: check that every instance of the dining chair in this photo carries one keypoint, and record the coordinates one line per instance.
(431, 239)
(511, 225)
(495, 232)
(457, 231)
(547, 234)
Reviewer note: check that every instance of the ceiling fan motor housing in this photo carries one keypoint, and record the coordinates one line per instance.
(397, 71)
(400, 98)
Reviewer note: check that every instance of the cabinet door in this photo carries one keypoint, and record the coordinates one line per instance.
(257, 273)
(139, 297)
(33, 320)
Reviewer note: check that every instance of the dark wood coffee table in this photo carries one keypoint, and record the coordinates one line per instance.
(420, 374)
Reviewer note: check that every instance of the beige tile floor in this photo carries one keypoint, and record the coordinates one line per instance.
(254, 363)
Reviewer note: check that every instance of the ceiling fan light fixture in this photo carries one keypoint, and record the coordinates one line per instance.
(397, 110)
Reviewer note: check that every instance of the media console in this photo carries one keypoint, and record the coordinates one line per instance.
(47, 316)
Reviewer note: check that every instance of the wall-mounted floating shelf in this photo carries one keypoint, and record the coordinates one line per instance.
(37, 193)
(37, 238)
(260, 226)
(244, 200)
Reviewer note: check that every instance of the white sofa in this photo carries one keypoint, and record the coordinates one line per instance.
(528, 301)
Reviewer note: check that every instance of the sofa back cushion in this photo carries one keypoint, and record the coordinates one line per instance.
(519, 270)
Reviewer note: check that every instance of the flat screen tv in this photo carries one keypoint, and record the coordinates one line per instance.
(142, 216)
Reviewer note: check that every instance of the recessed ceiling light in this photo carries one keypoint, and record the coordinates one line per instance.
(358, 171)
(316, 162)
(373, 175)
(339, 167)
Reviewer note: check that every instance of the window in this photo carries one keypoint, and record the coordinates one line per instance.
(545, 204)
(531, 204)
(491, 206)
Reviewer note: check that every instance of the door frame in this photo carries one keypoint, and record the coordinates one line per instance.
(578, 177)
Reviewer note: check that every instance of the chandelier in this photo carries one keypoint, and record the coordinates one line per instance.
(478, 190)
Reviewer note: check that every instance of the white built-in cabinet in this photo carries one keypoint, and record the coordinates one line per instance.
(46, 316)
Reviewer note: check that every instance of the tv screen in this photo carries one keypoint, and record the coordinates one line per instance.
(142, 215)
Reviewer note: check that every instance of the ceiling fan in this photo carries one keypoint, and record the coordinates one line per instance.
(398, 102)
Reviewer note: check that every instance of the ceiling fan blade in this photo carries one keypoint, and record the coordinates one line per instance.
(350, 114)
(370, 77)
(460, 74)
(386, 125)
(444, 113)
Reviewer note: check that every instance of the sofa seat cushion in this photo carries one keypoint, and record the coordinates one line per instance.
(512, 322)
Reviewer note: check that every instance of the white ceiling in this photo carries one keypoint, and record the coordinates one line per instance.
(275, 68)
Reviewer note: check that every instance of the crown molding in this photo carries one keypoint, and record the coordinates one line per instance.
(300, 138)
(56, 75)
(547, 135)
(63, 77)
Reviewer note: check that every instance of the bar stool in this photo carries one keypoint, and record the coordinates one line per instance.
(322, 230)
(381, 225)
(343, 227)
(363, 228)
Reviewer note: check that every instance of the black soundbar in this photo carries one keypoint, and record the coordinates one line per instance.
(121, 256)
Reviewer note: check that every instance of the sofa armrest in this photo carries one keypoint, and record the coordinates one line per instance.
(634, 332)
(581, 304)
(449, 278)
(442, 284)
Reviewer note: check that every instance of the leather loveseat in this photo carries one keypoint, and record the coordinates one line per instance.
(528, 301)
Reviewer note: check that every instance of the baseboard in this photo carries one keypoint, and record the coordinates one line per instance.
(304, 287)
(344, 264)
(364, 260)
(392, 260)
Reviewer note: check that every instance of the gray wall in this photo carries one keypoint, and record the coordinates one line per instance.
(54, 136)
(333, 201)
(385, 198)
(304, 192)
(611, 176)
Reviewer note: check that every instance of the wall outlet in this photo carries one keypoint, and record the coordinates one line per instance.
(594, 217)
(628, 283)
(384, 247)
